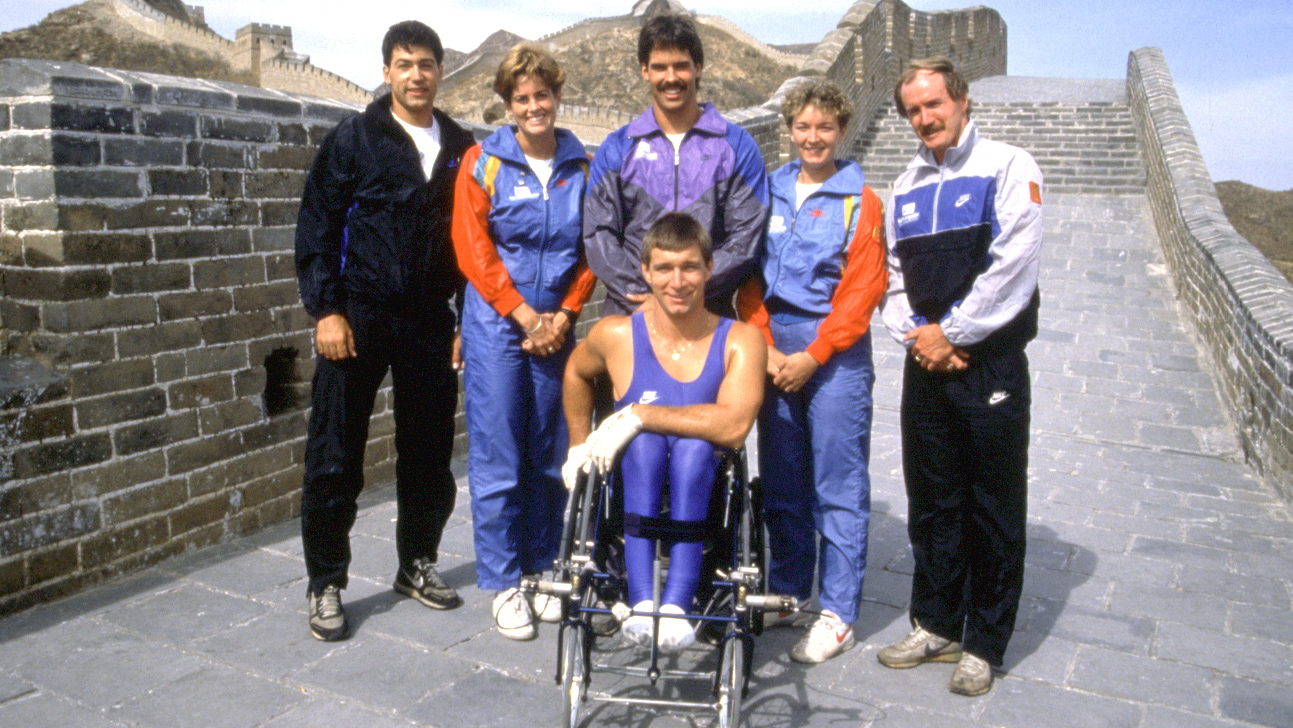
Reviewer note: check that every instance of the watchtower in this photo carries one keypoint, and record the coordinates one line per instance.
(259, 42)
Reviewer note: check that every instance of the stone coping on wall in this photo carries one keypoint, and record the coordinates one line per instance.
(33, 78)
(1035, 90)
(1243, 306)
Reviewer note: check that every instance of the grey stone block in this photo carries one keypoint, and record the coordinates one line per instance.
(97, 183)
(135, 152)
(1015, 706)
(321, 710)
(96, 677)
(1159, 717)
(185, 614)
(1120, 675)
(1260, 659)
(512, 700)
(1256, 702)
(21, 150)
(37, 710)
(26, 77)
(215, 696)
(197, 95)
(1111, 630)
(177, 182)
(374, 670)
(1259, 590)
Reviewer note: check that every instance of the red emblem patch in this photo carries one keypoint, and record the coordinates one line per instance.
(816, 213)
(1035, 192)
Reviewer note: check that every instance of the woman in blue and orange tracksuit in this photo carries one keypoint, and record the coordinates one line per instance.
(517, 231)
(823, 274)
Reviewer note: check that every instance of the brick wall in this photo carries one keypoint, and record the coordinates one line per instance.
(1081, 148)
(156, 351)
(1241, 303)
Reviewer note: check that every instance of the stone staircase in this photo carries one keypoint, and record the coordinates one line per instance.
(1081, 146)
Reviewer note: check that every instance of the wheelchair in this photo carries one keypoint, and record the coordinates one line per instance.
(730, 598)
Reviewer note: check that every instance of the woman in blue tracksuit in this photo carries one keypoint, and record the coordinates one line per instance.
(822, 274)
(517, 232)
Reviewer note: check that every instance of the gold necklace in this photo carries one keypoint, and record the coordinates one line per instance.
(675, 353)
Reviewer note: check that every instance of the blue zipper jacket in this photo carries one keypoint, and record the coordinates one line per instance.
(823, 261)
(515, 239)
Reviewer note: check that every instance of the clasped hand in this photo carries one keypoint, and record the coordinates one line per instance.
(548, 338)
(934, 353)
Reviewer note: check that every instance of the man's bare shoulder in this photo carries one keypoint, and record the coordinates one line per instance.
(747, 339)
(611, 330)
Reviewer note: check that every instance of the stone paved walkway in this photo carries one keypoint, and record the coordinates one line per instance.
(1157, 593)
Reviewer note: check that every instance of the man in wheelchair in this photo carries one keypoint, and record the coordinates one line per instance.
(686, 382)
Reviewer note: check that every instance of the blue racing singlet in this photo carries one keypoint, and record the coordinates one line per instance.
(651, 384)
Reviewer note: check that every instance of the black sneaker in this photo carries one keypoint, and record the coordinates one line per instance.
(327, 618)
(424, 584)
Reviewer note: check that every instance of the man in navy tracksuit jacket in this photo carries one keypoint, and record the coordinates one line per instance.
(376, 269)
(678, 156)
(964, 231)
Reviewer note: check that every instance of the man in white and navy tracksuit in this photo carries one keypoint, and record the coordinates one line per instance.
(964, 232)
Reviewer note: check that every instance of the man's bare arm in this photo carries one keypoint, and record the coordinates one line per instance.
(726, 422)
(586, 363)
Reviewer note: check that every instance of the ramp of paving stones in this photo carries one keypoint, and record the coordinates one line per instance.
(1157, 591)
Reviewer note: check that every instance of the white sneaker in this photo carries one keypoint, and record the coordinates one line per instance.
(546, 606)
(793, 618)
(638, 627)
(513, 614)
(828, 637)
(676, 634)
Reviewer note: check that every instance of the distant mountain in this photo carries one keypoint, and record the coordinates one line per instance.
(602, 71)
(1264, 217)
(498, 43)
(93, 34)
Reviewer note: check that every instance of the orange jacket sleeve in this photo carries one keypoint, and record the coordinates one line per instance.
(581, 288)
(478, 257)
(749, 306)
(861, 286)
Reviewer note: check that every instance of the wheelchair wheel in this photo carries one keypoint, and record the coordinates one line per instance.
(731, 683)
(573, 673)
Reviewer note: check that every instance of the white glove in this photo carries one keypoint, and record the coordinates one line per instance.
(615, 432)
(577, 461)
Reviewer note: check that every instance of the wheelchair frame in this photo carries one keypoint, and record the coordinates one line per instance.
(734, 606)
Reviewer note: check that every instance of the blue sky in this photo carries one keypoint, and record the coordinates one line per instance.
(1224, 56)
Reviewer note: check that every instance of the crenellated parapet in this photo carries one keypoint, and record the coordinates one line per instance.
(867, 51)
(261, 48)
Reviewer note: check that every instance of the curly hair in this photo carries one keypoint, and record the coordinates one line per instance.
(826, 96)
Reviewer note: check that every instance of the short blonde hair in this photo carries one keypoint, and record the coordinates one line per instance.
(826, 96)
(527, 59)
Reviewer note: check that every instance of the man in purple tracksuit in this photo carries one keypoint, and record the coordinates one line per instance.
(678, 156)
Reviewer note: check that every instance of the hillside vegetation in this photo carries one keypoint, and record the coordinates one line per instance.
(603, 72)
(1264, 217)
(91, 33)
